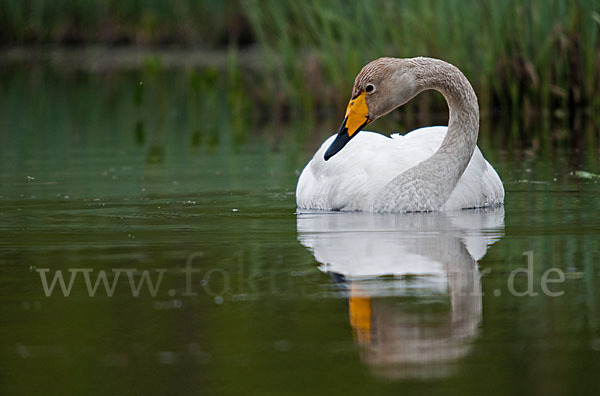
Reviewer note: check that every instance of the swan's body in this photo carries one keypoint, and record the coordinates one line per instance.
(429, 169)
(351, 180)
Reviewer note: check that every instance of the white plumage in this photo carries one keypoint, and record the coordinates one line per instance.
(352, 179)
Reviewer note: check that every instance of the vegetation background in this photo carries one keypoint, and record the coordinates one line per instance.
(534, 64)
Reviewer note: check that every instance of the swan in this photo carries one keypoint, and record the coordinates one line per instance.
(428, 169)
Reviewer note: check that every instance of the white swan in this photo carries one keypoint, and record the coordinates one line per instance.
(429, 169)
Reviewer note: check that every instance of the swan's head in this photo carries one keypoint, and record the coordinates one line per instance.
(380, 87)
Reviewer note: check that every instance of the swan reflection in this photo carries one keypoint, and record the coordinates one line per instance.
(412, 282)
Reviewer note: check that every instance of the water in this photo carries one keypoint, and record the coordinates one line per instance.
(254, 298)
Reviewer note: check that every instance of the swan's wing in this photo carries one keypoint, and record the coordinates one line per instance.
(480, 186)
(350, 179)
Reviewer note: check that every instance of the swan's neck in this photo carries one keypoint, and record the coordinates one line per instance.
(428, 185)
(457, 147)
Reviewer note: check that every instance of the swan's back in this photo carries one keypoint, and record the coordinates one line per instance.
(352, 179)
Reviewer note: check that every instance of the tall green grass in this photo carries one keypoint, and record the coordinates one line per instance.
(531, 61)
(521, 55)
(192, 22)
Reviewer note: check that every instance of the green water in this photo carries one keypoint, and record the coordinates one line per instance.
(281, 303)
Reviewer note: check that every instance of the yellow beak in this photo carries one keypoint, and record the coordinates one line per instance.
(357, 117)
(357, 114)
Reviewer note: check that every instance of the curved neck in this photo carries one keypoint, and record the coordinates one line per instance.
(463, 125)
(428, 185)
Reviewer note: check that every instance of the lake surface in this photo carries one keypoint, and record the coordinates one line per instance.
(246, 296)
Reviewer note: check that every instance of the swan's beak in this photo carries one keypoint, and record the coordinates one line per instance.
(357, 117)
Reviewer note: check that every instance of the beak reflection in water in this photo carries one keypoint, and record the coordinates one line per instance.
(411, 280)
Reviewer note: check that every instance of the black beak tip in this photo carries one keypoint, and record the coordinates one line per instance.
(340, 141)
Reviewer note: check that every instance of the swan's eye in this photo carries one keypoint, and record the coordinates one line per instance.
(370, 88)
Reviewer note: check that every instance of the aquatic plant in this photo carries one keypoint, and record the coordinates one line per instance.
(532, 63)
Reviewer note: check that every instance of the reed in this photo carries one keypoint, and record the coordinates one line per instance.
(537, 54)
(532, 60)
(194, 22)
